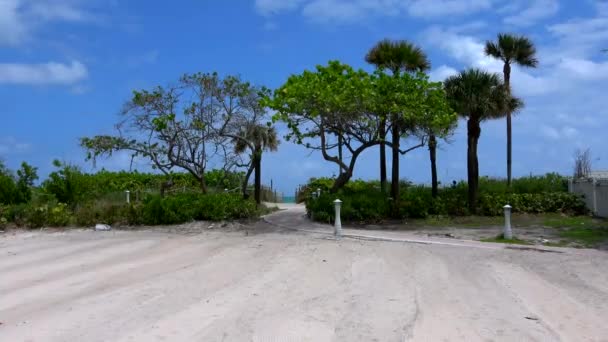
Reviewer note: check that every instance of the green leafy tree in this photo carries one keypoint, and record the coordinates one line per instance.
(330, 102)
(8, 187)
(67, 184)
(256, 139)
(183, 126)
(478, 96)
(435, 134)
(398, 57)
(511, 49)
(26, 176)
(338, 101)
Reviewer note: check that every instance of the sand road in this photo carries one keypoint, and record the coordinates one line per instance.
(278, 285)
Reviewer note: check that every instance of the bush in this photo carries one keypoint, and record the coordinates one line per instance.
(492, 205)
(108, 213)
(58, 215)
(360, 205)
(187, 207)
(363, 201)
(33, 215)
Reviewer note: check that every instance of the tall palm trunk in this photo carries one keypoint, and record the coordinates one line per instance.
(382, 134)
(507, 76)
(433, 157)
(473, 133)
(396, 137)
(258, 176)
(246, 180)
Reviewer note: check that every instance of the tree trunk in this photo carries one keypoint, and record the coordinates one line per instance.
(433, 157)
(203, 184)
(164, 186)
(258, 177)
(396, 137)
(507, 76)
(473, 133)
(382, 134)
(340, 153)
(246, 180)
(509, 144)
(342, 179)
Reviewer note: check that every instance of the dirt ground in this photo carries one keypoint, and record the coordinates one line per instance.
(259, 283)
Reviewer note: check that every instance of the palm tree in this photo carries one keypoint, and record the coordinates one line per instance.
(511, 49)
(397, 56)
(256, 139)
(478, 96)
(433, 158)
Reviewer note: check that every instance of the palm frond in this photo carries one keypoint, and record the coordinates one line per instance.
(399, 55)
(512, 48)
(475, 93)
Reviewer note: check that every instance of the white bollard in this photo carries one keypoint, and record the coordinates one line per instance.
(128, 196)
(337, 223)
(508, 233)
(318, 192)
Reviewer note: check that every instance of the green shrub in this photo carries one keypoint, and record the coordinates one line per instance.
(58, 215)
(363, 201)
(36, 216)
(187, 207)
(363, 205)
(108, 213)
(550, 182)
(552, 202)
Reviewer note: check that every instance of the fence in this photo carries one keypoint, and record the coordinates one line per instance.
(594, 193)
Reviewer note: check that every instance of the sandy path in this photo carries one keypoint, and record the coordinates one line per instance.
(289, 286)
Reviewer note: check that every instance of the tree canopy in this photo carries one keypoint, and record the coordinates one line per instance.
(337, 101)
(189, 126)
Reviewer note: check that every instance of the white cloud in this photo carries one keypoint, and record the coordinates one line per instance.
(559, 133)
(268, 7)
(437, 8)
(601, 6)
(441, 73)
(19, 18)
(12, 29)
(537, 10)
(561, 73)
(58, 10)
(10, 145)
(41, 74)
(350, 10)
(584, 69)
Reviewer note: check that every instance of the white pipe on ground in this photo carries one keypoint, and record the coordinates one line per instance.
(338, 222)
(508, 233)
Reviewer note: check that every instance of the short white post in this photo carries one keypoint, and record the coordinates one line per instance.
(128, 196)
(337, 223)
(508, 233)
(318, 192)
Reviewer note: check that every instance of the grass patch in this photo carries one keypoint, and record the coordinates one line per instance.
(584, 231)
(560, 221)
(500, 239)
(587, 237)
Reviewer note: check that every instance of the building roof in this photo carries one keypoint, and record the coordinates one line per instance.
(598, 174)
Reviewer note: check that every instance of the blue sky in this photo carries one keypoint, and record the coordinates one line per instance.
(67, 66)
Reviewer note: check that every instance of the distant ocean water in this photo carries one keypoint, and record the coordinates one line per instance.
(289, 199)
